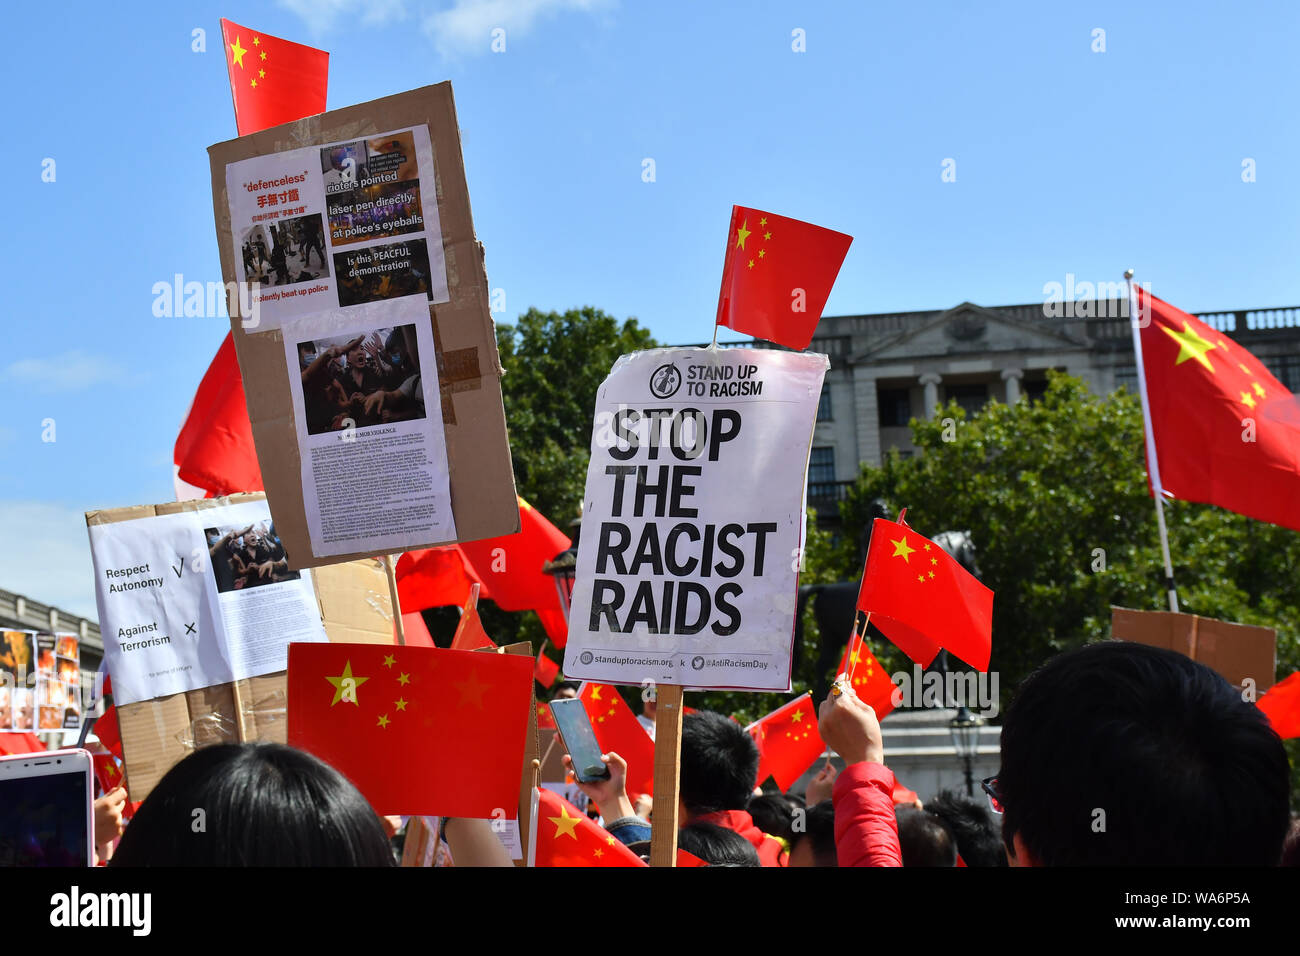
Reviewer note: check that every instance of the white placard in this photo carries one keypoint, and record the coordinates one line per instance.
(693, 519)
(327, 227)
(198, 598)
(369, 425)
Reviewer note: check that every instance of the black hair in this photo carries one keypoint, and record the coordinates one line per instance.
(972, 827)
(819, 829)
(924, 839)
(717, 846)
(774, 813)
(719, 763)
(1116, 753)
(572, 685)
(254, 805)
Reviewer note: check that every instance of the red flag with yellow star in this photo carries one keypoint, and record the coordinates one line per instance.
(1227, 432)
(923, 600)
(870, 682)
(273, 81)
(562, 835)
(420, 731)
(617, 729)
(788, 741)
(777, 276)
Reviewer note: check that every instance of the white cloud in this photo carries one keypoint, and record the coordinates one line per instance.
(467, 27)
(68, 372)
(323, 15)
(46, 556)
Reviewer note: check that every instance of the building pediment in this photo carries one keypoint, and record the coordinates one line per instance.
(970, 328)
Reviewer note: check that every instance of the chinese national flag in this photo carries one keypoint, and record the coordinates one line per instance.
(107, 730)
(12, 744)
(617, 729)
(546, 670)
(108, 771)
(1227, 432)
(470, 635)
(273, 81)
(545, 721)
(562, 835)
(511, 567)
(214, 450)
(923, 600)
(419, 731)
(788, 741)
(1282, 705)
(870, 682)
(435, 577)
(777, 276)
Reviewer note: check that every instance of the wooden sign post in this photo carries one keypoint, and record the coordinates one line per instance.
(668, 769)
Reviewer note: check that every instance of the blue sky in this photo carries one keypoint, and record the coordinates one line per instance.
(1067, 161)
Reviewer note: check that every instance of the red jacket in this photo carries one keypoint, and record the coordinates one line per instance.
(771, 851)
(866, 832)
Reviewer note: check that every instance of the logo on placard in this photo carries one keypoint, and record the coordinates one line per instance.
(665, 381)
(697, 663)
(585, 657)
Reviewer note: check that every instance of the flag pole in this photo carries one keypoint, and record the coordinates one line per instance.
(1153, 463)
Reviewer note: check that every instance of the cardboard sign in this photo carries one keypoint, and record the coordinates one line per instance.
(368, 352)
(194, 596)
(353, 606)
(1237, 651)
(693, 519)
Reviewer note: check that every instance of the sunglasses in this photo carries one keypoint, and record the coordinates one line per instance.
(990, 786)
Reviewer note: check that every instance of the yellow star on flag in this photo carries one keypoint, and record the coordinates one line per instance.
(262, 54)
(901, 548)
(471, 691)
(934, 560)
(256, 42)
(254, 82)
(797, 715)
(921, 578)
(261, 73)
(767, 236)
(345, 685)
(931, 574)
(751, 263)
(1259, 389)
(1247, 399)
(595, 693)
(565, 824)
(762, 253)
(763, 221)
(400, 703)
(238, 52)
(383, 721)
(599, 852)
(742, 234)
(1190, 345)
(389, 660)
(1242, 366)
(403, 679)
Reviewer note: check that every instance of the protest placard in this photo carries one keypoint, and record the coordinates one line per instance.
(1239, 652)
(190, 597)
(40, 682)
(693, 519)
(367, 349)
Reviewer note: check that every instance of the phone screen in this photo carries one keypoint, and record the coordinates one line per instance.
(43, 820)
(579, 739)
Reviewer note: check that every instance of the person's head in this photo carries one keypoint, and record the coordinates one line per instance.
(774, 814)
(972, 826)
(565, 690)
(262, 805)
(356, 357)
(814, 845)
(717, 846)
(1121, 754)
(924, 839)
(719, 762)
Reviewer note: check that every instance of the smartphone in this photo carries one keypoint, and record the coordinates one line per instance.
(579, 740)
(46, 809)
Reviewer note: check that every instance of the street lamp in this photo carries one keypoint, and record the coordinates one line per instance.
(965, 730)
(563, 567)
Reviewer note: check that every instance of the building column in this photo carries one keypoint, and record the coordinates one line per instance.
(930, 381)
(1012, 377)
(866, 420)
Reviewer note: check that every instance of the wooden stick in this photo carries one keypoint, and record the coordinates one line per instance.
(389, 566)
(668, 768)
(861, 639)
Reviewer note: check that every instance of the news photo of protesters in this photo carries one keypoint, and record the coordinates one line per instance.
(358, 381)
(285, 253)
(373, 273)
(247, 557)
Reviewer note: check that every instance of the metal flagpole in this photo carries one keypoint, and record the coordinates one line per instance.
(1153, 463)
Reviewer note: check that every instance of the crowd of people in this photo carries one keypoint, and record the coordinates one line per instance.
(361, 382)
(247, 557)
(1112, 754)
(288, 261)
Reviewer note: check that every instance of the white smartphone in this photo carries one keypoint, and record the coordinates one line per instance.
(47, 809)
